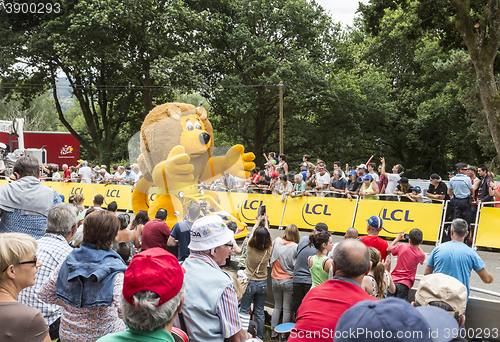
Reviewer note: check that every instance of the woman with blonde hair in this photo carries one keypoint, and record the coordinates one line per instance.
(378, 279)
(19, 266)
(282, 261)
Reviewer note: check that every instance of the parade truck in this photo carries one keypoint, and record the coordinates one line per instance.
(48, 147)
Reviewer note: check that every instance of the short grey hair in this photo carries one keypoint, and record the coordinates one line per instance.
(61, 219)
(459, 227)
(145, 315)
(338, 172)
(299, 176)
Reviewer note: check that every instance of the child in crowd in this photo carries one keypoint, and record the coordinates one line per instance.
(409, 256)
(123, 250)
(415, 195)
(373, 228)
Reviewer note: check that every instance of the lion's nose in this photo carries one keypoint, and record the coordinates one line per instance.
(204, 138)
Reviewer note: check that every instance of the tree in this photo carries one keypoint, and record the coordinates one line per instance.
(478, 24)
(245, 49)
(106, 50)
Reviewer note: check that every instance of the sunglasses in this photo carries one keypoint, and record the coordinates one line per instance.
(34, 261)
(230, 245)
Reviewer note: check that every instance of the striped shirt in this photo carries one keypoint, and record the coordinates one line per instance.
(51, 252)
(227, 306)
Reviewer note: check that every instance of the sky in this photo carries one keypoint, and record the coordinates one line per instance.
(341, 10)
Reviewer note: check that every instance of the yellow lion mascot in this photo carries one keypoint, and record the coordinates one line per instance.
(177, 143)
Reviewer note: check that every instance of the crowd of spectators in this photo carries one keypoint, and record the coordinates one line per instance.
(85, 172)
(77, 274)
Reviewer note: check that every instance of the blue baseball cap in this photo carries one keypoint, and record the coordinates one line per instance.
(416, 188)
(352, 172)
(376, 222)
(394, 319)
(367, 177)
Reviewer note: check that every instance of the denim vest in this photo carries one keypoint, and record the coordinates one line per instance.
(86, 278)
(204, 286)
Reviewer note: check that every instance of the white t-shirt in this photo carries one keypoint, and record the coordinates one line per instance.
(392, 182)
(375, 177)
(322, 180)
(85, 172)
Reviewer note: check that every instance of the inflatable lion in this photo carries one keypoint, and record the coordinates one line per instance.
(177, 143)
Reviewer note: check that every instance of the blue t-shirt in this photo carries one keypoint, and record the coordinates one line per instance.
(182, 233)
(461, 185)
(455, 259)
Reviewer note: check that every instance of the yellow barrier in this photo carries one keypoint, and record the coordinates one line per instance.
(57, 186)
(247, 206)
(401, 216)
(306, 212)
(3, 181)
(487, 228)
(85, 189)
(119, 193)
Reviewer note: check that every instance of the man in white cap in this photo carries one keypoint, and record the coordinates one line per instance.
(210, 308)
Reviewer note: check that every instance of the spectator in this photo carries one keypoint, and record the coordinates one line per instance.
(124, 251)
(282, 167)
(259, 251)
(129, 177)
(352, 262)
(53, 248)
(392, 178)
(89, 283)
(302, 280)
(139, 221)
(181, 232)
(56, 176)
(153, 294)
(210, 307)
(353, 184)
(338, 183)
(322, 180)
(378, 280)
(119, 176)
(299, 188)
(113, 207)
(105, 177)
(19, 265)
(373, 228)
(263, 183)
(25, 203)
(98, 202)
(338, 166)
(445, 292)
(350, 233)
(303, 170)
(403, 189)
(307, 159)
(460, 187)
(282, 262)
(415, 195)
(129, 237)
(485, 192)
(85, 172)
(369, 189)
(320, 264)
(361, 169)
(394, 320)
(283, 187)
(437, 189)
(138, 174)
(371, 171)
(74, 174)
(156, 233)
(409, 256)
(382, 183)
(456, 259)
(66, 172)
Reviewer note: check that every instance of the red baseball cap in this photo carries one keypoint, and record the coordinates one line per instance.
(154, 270)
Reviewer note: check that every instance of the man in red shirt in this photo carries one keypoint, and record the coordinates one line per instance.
(372, 239)
(323, 305)
(155, 233)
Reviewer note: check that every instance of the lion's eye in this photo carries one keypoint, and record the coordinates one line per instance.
(189, 126)
(197, 125)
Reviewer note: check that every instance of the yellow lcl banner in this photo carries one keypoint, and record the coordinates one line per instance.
(401, 217)
(487, 228)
